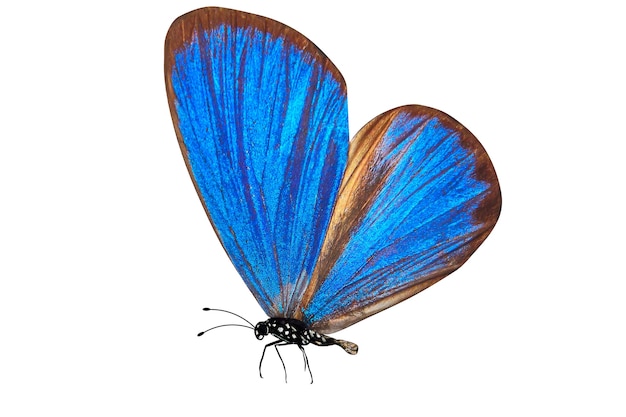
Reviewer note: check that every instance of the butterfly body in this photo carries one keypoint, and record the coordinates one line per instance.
(293, 331)
(324, 231)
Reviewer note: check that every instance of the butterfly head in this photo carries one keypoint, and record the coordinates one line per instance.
(261, 330)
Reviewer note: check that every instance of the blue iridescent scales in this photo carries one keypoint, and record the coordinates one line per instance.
(322, 229)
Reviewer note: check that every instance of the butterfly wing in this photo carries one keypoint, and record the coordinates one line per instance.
(261, 117)
(418, 197)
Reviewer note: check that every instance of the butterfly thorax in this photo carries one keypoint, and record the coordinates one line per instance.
(293, 331)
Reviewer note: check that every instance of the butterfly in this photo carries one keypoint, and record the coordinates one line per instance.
(325, 231)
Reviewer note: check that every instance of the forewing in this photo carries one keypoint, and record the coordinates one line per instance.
(261, 117)
(418, 197)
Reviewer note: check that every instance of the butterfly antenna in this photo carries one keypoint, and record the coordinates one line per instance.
(229, 312)
(225, 325)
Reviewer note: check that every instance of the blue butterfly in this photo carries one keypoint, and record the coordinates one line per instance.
(324, 231)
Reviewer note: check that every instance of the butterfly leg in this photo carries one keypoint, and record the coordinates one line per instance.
(275, 344)
(281, 358)
(306, 362)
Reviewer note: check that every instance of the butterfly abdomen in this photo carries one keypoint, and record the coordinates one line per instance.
(296, 332)
(349, 347)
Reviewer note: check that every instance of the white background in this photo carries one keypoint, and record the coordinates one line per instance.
(107, 256)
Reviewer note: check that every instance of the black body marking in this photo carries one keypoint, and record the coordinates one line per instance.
(295, 332)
